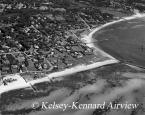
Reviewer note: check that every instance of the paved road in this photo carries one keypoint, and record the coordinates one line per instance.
(112, 83)
(124, 40)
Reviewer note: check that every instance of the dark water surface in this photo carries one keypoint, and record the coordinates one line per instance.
(113, 83)
(124, 40)
(116, 83)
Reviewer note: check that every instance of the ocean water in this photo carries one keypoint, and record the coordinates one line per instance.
(124, 40)
(116, 89)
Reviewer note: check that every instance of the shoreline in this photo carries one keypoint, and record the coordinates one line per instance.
(87, 39)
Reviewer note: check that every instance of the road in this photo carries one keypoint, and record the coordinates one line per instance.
(96, 85)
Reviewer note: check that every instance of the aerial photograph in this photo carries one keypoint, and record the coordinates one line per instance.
(72, 57)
